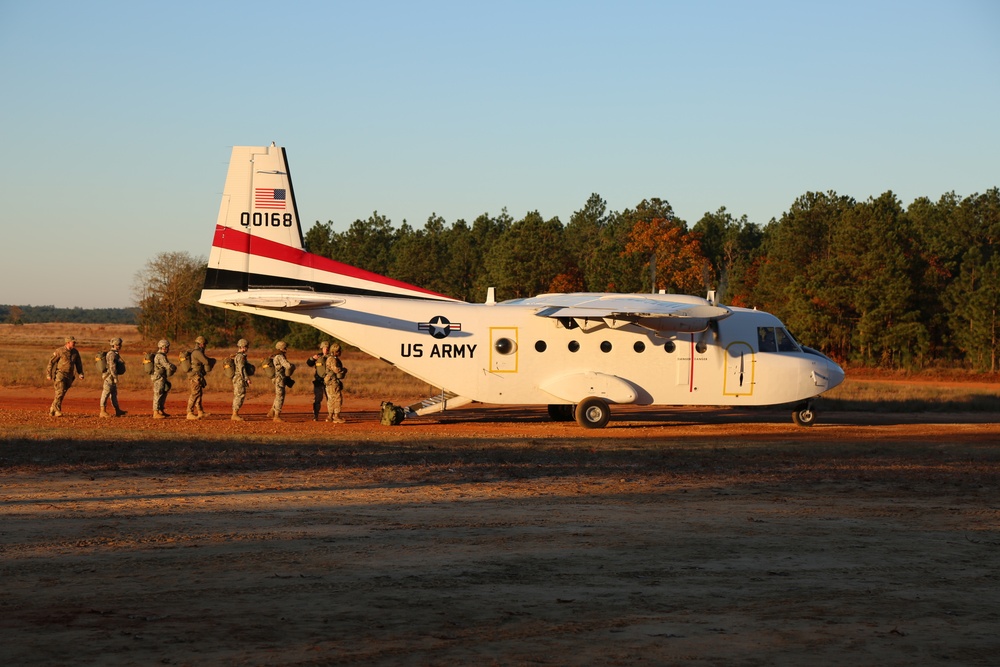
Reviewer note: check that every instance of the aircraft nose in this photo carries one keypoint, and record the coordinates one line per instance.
(836, 373)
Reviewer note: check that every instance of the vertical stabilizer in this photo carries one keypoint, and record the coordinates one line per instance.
(258, 207)
(258, 243)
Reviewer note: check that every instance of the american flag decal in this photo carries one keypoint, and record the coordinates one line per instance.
(269, 198)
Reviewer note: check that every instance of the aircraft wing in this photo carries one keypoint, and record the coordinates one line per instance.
(662, 313)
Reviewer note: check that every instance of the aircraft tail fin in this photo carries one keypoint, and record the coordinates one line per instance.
(258, 244)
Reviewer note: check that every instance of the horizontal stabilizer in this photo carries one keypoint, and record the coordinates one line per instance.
(281, 299)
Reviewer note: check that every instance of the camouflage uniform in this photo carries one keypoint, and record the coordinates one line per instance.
(334, 382)
(200, 366)
(63, 368)
(162, 369)
(116, 367)
(282, 369)
(240, 378)
(318, 363)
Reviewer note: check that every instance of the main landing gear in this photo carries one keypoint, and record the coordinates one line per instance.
(591, 412)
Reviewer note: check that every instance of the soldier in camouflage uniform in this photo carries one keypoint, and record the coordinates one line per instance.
(334, 382)
(200, 366)
(318, 363)
(282, 370)
(64, 366)
(116, 367)
(162, 369)
(240, 378)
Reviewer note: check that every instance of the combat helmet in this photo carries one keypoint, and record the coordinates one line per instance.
(281, 346)
(116, 342)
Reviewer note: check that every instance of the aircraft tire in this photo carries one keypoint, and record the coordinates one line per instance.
(561, 412)
(593, 412)
(804, 415)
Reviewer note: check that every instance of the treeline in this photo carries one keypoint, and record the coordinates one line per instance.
(869, 283)
(43, 314)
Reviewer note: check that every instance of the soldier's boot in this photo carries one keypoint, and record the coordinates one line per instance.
(315, 415)
(192, 415)
(336, 418)
(104, 414)
(119, 412)
(277, 416)
(236, 417)
(270, 413)
(159, 414)
(57, 413)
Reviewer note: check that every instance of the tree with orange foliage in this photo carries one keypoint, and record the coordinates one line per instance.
(680, 266)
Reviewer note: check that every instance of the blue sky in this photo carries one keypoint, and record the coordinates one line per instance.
(118, 117)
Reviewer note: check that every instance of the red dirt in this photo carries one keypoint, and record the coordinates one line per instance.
(495, 536)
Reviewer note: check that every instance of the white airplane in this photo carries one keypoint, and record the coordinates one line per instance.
(576, 353)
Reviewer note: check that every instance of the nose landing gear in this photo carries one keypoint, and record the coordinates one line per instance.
(804, 414)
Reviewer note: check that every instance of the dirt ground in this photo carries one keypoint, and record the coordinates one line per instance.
(494, 536)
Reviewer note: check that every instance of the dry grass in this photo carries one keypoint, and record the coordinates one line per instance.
(914, 394)
(25, 351)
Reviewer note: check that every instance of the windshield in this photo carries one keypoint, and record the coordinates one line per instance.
(776, 339)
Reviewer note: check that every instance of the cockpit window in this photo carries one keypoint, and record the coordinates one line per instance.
(785, 341)
(776, 339)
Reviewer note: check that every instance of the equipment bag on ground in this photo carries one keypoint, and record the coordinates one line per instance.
(391, 415)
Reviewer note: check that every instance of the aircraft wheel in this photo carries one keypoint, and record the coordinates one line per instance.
(593, 413)
(804, 415)
(560, 412)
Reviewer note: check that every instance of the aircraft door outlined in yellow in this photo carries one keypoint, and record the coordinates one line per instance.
(503, 349)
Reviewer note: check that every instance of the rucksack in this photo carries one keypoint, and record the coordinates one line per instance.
(391, 415)
(268, 367)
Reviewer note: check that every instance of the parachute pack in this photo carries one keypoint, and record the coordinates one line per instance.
(149, 364)
(269, 371)
(229, 367)
(185, 359)
(391, 415)
(101, 361)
